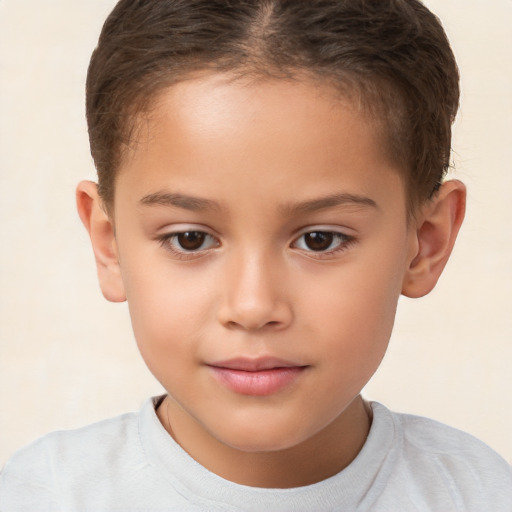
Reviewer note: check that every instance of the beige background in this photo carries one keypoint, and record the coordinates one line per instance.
(67, 357)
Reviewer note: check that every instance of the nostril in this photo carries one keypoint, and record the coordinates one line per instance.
(253, 326)
(233, 324)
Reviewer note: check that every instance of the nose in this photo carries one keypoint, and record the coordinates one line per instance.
(255, 295)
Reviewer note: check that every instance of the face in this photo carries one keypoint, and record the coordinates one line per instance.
(263, 242)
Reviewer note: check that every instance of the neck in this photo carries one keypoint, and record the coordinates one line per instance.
(315, 459)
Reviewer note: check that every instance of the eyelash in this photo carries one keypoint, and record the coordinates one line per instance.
(167, 241)
(342, 241)
(170, 241)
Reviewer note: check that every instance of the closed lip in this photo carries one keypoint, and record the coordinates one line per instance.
(255, 365)
(257, 377)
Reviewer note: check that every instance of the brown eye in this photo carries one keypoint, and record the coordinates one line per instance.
(318, 240)
(191, 240)
(188, 244)
(323, 242)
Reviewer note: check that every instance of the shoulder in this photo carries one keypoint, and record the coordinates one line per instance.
(39, 471)
(440, 440)
(433, 455)
(76, 443)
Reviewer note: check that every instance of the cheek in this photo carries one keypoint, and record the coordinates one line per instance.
(354, 313)
(167, 309)
(163, 333)
(359, 298)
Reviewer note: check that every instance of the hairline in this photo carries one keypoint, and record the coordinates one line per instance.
(345, 86)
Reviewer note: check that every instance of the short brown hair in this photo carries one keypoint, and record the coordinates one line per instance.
(393, 53)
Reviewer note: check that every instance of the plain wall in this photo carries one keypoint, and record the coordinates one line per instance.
(68, 358)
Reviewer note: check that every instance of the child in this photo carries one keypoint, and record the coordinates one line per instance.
(270, 181)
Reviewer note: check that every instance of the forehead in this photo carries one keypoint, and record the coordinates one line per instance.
(215, 127)
(219, 103)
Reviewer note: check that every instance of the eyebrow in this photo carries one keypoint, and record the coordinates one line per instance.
(330, 201)
(180, 201)
(201, 204)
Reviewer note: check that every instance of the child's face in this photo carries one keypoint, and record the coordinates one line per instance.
(259, 226)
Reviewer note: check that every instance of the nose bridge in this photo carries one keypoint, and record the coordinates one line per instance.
(254, 296)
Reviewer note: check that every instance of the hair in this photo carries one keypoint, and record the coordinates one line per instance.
(392, 55)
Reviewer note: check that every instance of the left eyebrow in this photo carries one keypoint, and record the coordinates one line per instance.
(330, 201)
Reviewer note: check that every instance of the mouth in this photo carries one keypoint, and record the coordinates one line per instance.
(256, 377)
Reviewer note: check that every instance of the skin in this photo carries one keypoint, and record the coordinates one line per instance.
(256, 167)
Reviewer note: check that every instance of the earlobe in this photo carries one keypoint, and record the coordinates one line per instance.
(101, 232)
(436, 230)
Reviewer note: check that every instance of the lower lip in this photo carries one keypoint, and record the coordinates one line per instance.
(258, 383)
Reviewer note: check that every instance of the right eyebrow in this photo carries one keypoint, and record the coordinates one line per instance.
(177, 200)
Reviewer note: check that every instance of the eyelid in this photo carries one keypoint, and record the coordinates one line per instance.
(344, 233)
(182, 227)
(325, 228)
(166, 235)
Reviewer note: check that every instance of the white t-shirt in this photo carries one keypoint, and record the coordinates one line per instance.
(130, 463)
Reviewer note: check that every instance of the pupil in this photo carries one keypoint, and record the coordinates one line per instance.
(191, 240)
(319, 240)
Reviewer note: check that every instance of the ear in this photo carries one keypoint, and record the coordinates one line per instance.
(101, 231)
(436, 229)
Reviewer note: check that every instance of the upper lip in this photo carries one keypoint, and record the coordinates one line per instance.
(255, 365)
